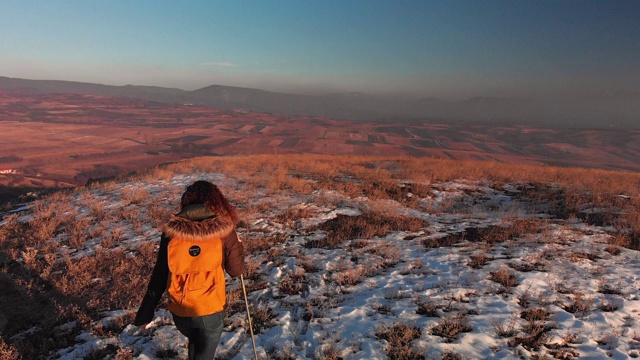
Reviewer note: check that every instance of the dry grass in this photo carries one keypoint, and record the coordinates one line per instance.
(578, 304)
(399, 338)
(478, 260)
(606, 288)
(505, 277)
(535, 335)
(427, 307)
(535, 314)
(364, 226)
(293, 284)
(451, 355)
(261, 318)
(382, 308)
(450, 326)
(564, 190)
(609, 305)
(504, 329)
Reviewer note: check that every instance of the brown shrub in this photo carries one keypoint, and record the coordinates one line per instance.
(349, 277)
(478, 260)
(134, 195)
(609, 305)
(254, 245)
(536, 314)
(426, 307)
(308, 263)
(292, 284)
(451, 355)
(252, 267)
(116, 279)
(261, 318)
(450, 326)
(579, 304)
(294, 213)
(528, 265)
(489, 234)
(504, 329)
(365, 226)
(535, 335)
(399, 337)
(505, 277)
(612, 249)
(382, 308)
(607, 288)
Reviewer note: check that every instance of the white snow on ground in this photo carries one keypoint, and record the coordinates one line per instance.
(568, 260)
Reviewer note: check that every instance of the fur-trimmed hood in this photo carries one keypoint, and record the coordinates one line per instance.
(197, 222)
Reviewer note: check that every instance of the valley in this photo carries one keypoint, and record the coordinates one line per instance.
(60, 140)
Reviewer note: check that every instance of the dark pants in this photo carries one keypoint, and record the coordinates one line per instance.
(203, 333)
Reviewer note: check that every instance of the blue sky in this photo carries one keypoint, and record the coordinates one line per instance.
(447, 49)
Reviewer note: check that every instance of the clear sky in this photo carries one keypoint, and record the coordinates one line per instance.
(442, 48)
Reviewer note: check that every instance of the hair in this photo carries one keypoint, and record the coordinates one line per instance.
(204, 192)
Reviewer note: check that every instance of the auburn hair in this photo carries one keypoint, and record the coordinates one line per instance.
(205, 192)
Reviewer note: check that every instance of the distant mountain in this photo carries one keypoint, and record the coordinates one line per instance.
(619, 110)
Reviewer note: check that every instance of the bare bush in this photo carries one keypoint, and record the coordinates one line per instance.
(478, 260)
(364, 226)
(399, 337)
(504, 328)
(137, 195)
(308, 263)
(382, 308)
(613, 249)
(262, 318)
(41, 230)
(349, 277)
(78, 233)
(607, 288)
(535, 314)
(292, 284)
(114, 326)
(263, 243)
(579, 304)
(329, 351)
(451, 355)
(535, 334)
(450, 326)
(609, 305)
(505, 277)
(295, 213)
(252, 267)
(426, 307)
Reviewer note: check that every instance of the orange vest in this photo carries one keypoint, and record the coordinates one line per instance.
(196, 280)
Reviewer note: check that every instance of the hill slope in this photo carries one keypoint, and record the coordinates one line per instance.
(346, 258)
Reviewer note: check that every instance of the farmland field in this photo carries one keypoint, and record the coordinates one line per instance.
(54, 140)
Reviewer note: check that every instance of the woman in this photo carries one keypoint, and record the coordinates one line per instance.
(197, 245)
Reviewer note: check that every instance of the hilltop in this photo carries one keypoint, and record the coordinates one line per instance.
(347, 258)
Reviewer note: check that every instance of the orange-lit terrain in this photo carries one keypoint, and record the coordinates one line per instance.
(67, 139)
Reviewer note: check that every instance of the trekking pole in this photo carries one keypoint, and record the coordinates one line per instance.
(246, 302)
